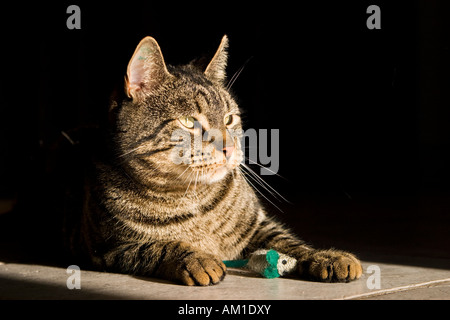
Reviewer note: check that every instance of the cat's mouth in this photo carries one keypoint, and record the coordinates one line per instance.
(208, 166)
(211, 172)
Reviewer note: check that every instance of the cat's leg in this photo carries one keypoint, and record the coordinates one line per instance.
(321, 265)
(176, 261)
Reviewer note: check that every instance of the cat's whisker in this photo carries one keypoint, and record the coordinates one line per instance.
(191, 178)
(131, 151)
(260, 165)
(237, 74)
(264, 184)
(154, 169)
(187, 168)
(182, 202)
(251, 175)
(202, 176)
(196, 177)
(242, 173)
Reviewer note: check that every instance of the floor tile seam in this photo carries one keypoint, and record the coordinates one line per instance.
(395, 289)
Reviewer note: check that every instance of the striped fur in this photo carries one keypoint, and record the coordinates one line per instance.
(143, 214)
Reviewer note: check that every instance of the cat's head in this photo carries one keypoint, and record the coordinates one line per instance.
(180, 125)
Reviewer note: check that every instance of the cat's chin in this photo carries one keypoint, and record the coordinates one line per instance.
(213, 176)
(217, 175)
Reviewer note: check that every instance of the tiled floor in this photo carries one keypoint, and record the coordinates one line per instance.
(24, 281)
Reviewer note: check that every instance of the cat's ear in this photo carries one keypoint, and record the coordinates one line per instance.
(215, 70)
(146, 69)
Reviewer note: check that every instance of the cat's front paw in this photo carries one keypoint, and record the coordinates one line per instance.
(201, 269)
(329, 266)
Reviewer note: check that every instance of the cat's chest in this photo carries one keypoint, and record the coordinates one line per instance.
(224, 231)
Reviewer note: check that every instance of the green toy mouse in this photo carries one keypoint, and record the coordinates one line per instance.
(269, 263)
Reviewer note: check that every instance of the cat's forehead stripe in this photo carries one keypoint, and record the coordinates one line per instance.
(204, 122)
(204, 98)
(201, 100)
(225, 102)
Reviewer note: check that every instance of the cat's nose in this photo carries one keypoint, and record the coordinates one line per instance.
(228, 151)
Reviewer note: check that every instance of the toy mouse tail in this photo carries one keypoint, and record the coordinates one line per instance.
(235, 263)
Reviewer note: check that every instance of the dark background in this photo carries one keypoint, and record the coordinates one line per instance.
(363, 114)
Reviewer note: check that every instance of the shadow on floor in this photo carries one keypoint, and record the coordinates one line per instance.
(20, 289)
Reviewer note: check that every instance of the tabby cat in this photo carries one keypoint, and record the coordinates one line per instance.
(147, 214)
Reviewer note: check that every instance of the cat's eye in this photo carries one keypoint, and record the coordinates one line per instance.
(188, 122)
(228, 120)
